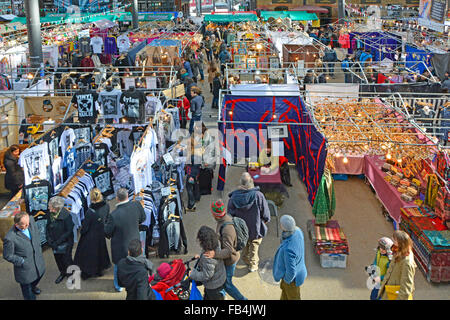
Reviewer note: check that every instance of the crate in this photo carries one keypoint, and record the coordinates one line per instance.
(333, 260)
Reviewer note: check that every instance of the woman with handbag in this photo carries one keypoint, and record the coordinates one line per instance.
(398, 283)
(92, 254)
(59, 232)
(209, 271)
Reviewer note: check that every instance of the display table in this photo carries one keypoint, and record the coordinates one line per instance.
(268, 182)
(354, 166)
(386, 192)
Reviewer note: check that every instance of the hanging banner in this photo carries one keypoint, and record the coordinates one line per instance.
(432, 14)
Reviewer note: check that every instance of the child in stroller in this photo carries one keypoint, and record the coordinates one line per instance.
(171, 281)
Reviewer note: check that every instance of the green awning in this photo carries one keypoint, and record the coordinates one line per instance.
(147, 17)
(293, 15)
(231, 17)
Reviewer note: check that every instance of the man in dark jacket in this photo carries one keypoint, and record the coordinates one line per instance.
(133, 272)
(217, 85)
(59, 231)
(14, 178)
(330, 58)
(22, 247)
(122, 226)
(248, 203)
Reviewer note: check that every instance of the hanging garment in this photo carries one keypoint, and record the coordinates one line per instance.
(36, 195)
(103, 180)
(35, 161)
(123, 43)
(85, 101)
(325, 202)
(110, 101)
(432, 190)
(97, 44)
(110, 45)
(101, 152)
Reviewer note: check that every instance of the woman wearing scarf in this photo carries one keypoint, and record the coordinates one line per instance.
(59, 232)
(289, 262)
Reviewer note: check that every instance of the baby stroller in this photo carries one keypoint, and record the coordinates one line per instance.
(176, 284)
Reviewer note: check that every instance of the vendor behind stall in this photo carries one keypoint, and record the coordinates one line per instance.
(268, 159)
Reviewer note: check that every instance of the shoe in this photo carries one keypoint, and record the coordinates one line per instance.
(252, 269)
(191, 210)
(36, 290)
(60, 278)
(119, 290)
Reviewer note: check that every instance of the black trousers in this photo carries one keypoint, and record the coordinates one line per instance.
(63, 261)
(285, 174)
(27, 289)
(214, 294)
(193, 191)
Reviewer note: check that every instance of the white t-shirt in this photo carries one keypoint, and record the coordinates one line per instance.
(123, 43)
(34, 162)
(57, 173)
(67, 140)
(97, 44)
(141, 169)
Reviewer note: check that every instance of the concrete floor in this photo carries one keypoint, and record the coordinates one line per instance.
(357, 210)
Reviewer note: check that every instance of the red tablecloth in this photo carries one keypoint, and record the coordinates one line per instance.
(273, 178)
(354, 166)
(386, 192)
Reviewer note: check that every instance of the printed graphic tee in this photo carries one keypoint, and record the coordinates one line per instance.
(110, 101)
(103, 181)
(97, 44)
(133, 103)
(85, 100)
(57, 173)
(69, 162)
(34, 162)
(123, 43)
(36, 196)
(67, 140)
(100, 154)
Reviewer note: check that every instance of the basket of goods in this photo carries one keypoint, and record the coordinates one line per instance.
(406, 197)
(416, 182)
(411, 191)
(395, 180)
(405, 182)
(386, 167)
(402, 189)
(400, 175)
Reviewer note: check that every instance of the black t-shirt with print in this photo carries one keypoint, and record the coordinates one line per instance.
(101, 154)
(136, 134)
(133, 104)
(103, 181)
(85, 100)
(36, 196)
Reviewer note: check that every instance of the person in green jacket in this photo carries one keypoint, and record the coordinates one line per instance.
(381, 261)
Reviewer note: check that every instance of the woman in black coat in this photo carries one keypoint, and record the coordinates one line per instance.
(14, 178)
(92, 255)
(59, 233)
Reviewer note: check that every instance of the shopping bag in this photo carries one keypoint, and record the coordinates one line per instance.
(392, 292)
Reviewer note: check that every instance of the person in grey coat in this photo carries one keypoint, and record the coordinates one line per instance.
(22, 247)
(250, 204)
(209, 271)
(122, 226)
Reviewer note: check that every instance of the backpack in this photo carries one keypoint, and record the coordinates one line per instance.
(241, 232)
(345, 64)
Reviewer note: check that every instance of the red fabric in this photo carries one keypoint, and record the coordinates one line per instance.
(283, 160)
(344, 41)
(381, 78)
(176, 274)
(87, 64)
(187, 106)
(161, 288)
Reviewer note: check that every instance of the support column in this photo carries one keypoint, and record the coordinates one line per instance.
(135, 14)
(341, 10)
(34, 32)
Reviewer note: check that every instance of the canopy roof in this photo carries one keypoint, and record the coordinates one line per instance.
(231, 17)
(147, 17)
(293, 15)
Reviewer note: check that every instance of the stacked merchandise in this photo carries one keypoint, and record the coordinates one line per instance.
(431, 242)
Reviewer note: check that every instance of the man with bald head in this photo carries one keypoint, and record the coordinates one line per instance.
(248, 203)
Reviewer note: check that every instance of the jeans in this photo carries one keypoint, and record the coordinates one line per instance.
(374, 294)
(193, 191)
(116, 282)
(229, 287)
(348, 77)
(173, 235)
(209, 54)
(191, 123)
(202, 74)
(330, 67)
(215, 102)
(27, 289)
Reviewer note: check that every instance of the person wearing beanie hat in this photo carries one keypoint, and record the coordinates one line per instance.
(289, 262)
(228, 242)
(161, 273)
(382, 260)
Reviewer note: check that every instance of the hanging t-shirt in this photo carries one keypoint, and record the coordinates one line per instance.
(124, 143)
(133, 102)
(141, 169)
(69, 162)
(67, 140)
(82, 134)
(103, 181)
(36, 195)
(85, 45)
(34, 162)
(57, 173)
(110, 101)
(90, 167)
(53, 148)
(136, 134)
(85, 101)
(97, 44)
(123, 43)
(110, 45)
(152, 106)
(100, 154)
(84, 152)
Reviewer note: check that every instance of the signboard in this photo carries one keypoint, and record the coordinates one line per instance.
(432, 14)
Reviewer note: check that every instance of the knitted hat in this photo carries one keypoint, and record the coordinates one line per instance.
(164, 269)
(287, 223)
(386, 244)
(218, 209)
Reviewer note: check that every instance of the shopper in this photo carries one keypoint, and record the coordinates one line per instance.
(217, 85)
(192, 179)
(188, 85)
(400, 274)
(197, 104)
(59, 233)
(14, 177)
(224, 58)
(209, 271)
(195, 68)
(330, 58)
(23, 130)
(92, 254)
(289, 262)
(22, 248)
(346, 65)
(201, 64)
(228, 243)
(122, 226)
(248, 203)
(381, 262)
(208, 48)
(133, 272)
(212, 70)
(187, 66)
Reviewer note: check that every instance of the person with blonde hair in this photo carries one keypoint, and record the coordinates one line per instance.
(398, 283)
(92, 254)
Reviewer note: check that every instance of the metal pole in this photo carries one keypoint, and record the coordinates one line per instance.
(134, 13)
(341, 10)
(34, 32)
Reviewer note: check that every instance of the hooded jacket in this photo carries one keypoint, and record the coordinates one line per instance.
(132, 273)
(250, 205)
